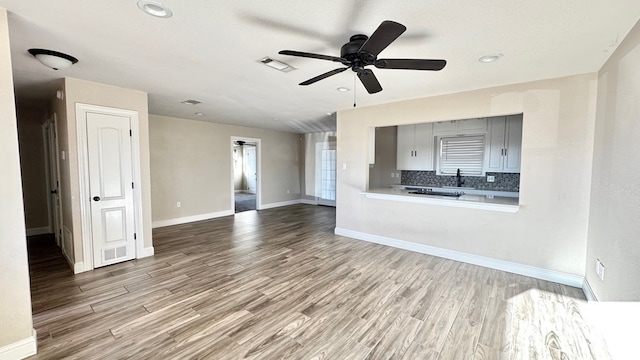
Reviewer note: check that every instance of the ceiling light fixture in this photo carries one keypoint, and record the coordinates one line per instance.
(343, 89)
(275, 64)
(490, 58)
(53, 59)
(199, 113)
(155, 9)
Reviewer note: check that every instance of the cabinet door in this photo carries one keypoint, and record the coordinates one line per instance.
(472, 126)
(423, 147)
(513, 143)
(445, 128)
(405, 148)
(494, 144)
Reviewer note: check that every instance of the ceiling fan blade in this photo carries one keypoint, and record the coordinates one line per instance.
(384, 35)
(369, 80)
(411, 64)
(313, 56)
(323, 76)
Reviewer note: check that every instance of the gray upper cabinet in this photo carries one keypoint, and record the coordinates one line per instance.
(415, 147)
(460, 127)
(503, 144)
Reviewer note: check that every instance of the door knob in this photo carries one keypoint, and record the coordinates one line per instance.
(55, 191)
(96, 198)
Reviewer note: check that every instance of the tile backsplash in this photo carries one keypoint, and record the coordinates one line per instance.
(503, 181)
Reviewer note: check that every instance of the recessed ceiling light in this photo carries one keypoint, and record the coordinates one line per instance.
(199, 113)
(329, 113)
(490, 58)
(154, 9)
(343, 89)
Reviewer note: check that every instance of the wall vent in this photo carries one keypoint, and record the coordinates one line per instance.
(192, 102)
(275, 64)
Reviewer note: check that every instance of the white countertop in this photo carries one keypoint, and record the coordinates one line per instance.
(476, 199)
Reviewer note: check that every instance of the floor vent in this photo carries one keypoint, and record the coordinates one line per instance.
(115, 253)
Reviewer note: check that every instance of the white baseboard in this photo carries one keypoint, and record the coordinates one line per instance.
(588, 291)
(79, 267)
(309, 202)
(146, 252)
(279, 204)
(20, 349)
(521, 269)
(39, 231)
(188, 219)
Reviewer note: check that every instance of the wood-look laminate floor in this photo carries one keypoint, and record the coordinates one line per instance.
(278, 284)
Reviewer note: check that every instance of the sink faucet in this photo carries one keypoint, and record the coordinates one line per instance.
(459, 181)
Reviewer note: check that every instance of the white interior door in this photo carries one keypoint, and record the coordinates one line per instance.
(54, 180)
(111, 188)
(250, 168)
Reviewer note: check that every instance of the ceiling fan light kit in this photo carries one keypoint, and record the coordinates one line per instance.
(53, 59)
(362, 51)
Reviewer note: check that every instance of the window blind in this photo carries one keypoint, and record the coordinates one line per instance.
(462, 152)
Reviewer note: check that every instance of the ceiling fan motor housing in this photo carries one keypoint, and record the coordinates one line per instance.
(349, 51)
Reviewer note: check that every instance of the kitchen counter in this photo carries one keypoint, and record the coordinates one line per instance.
(472, 198)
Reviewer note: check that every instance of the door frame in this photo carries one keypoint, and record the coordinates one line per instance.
(83, 177)
(258, 170)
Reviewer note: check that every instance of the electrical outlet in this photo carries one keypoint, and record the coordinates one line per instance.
(393, 174)
(178, 204)
(491, 178)
(600, 269)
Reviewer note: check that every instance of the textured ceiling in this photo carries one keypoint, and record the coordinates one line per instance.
(209, 50)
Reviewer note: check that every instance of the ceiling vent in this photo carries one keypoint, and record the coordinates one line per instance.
(192, 102)
(275, 64)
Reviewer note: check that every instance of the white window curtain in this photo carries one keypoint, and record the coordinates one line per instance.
(461, 152)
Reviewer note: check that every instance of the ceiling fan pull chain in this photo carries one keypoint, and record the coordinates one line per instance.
(354, 89)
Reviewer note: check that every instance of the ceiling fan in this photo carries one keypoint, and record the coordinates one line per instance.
(362, 51)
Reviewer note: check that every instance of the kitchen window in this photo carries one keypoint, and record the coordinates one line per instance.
(461, 152)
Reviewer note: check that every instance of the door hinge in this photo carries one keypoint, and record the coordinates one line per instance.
(130, 132)
(135, 236)
(133, 187)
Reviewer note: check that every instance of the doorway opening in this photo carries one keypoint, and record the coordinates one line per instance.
(245, 175)
(326, 173)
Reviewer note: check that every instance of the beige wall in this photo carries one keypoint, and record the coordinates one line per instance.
(549, 230)
(191, 163)
(614, 226)
(31, 116)
(15, 301)
(86, 92)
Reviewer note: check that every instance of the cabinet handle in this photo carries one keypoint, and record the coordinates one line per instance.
(416, 153)
(505, 152)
